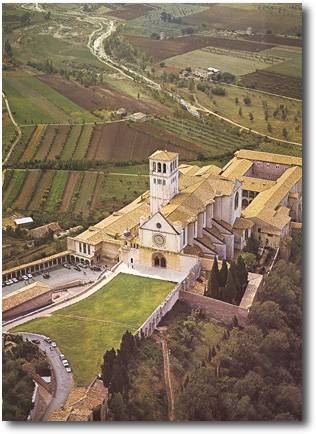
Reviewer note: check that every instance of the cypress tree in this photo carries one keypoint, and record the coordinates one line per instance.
(223, 274)
(127, 347)
(243, 273)
(229, 292)
(117, 408)
(213, 283)
(107, 367)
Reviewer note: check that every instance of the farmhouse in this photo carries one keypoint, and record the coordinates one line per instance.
(193, 212)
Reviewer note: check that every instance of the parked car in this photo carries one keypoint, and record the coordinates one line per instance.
(14, 279)
(24, 277)
(66, 265)
(9, 282)
(62, 357)
(68, 369)
(36, 341)
(84, 265)
(48, 341)
(30, 276)
(65, 363)
(46, 275)
(54, 345)
(77, 268)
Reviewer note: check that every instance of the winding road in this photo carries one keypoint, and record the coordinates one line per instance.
(64, 380)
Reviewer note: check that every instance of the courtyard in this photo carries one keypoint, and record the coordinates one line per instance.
(85, 330)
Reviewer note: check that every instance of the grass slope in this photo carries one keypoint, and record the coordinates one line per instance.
(85, 330)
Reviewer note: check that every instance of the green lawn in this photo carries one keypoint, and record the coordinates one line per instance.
(85, 330)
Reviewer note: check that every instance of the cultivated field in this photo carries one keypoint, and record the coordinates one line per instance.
(275, 83)
(235, 62)
(129, 12)
(97, 323)
(33, 102)
(102, 96)
(160, 50)
(75, 194)
(261, 111)
(279, 20)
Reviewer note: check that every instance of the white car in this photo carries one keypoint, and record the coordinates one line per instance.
(54, 345)
(65, 363)
(30, 276)
(68, 369)
(9, 282)
(24, 277)
(15, 280)
(62, 357)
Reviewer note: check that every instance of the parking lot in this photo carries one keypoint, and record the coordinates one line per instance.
(59, 275)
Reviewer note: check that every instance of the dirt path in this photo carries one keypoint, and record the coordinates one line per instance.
(18, 130)
(166, 368)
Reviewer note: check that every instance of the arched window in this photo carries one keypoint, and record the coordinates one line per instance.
(236, 200)
(244, 203)
(154, 167)
(158, 260)
(159, 167)
(164, 168)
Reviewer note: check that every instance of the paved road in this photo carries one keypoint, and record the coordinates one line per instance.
(64, 380)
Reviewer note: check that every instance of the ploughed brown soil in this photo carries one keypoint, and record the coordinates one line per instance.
(102, 96)
(164, 49)
(135, 142)
(129, 12)
(69, 189)
(276, 40)
(275, 83)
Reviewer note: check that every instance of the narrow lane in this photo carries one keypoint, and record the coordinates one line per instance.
(64, 380)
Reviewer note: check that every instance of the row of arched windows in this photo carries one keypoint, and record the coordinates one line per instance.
(162, 167)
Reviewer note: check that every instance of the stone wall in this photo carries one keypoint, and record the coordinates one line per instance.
(148, 327)
(217, 309)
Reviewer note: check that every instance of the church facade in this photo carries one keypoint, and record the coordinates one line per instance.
(193, 212)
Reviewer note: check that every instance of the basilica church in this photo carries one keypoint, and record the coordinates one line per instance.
(191, 213)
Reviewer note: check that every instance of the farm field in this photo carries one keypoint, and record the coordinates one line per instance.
(275, 83)
(292, 61)
(265, 109)
(160, 50)
(129, 12)
(226, 60)
(101, 96)
(151, 22)
(78, 195)
(97, 323)
(33, 102)
(279, 20)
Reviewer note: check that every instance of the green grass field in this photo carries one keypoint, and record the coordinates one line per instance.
(85, 330)
(32, 101)
(56, 190)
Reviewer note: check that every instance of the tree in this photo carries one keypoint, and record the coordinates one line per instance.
(107, 367)
(267, 316)
(213, 283)
(117, 408)
(252, 245)
(240, 111)
(250, 261)
(229, 292)
(222, 276)
(8, 49)
(251, 118)
(285, 133)
(128, 347)
(247, 100)
(236, 100)
(242, 272)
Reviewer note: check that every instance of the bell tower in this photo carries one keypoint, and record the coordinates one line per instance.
(163, 170)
